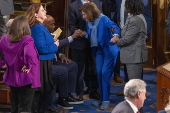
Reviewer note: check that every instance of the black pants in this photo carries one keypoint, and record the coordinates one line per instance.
(45, 100)
(79, 56)
(42, 100)
(64, 78)
(117, 66)
(90, 76)
(22, 98)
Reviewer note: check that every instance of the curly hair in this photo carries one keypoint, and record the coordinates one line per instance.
(91, 10)
(136, 7)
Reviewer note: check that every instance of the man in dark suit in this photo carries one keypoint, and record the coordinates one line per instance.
(64, 72)
(135, 94)
(6, 8)
(81, 51)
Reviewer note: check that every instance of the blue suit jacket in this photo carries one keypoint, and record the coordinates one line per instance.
(147, 14)
(104, 35)
(43, 41)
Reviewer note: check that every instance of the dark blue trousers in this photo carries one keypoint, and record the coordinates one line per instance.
(64, 78)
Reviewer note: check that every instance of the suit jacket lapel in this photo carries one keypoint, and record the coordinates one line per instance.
(124, 29)
(130, 108)
(79, 3)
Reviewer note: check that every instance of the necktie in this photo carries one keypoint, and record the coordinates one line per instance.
(125, 16)
(138, 112)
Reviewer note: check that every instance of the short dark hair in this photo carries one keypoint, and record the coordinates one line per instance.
(91, 10)
(136, 7)
(18, 29)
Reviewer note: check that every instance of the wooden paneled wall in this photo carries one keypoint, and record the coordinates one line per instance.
(56, 9)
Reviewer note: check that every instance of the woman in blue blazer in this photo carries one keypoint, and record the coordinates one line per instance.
(100, 30)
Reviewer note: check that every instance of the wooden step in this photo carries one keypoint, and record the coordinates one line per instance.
(4, 95)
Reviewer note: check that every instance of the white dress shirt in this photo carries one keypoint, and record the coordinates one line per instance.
(83, 2)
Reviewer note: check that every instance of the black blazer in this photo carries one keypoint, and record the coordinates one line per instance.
(63, 43)
(109, 9)
(76, 21)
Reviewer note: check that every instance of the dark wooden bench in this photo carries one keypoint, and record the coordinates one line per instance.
(4, 93)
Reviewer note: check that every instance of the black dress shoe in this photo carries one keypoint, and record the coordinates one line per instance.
(118, 79)
(53, 110)
(95, 96)
(43, 111)
(79, 97)
(86, 91)
(72, 100)
(62, 102)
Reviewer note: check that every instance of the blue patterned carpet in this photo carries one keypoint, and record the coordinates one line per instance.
(87, 107)
(149, 105)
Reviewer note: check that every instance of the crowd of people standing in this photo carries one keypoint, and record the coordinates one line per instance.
(102, 33)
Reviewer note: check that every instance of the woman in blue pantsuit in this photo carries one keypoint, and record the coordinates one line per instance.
(100, 30)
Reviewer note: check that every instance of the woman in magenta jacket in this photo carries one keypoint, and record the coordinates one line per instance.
(22, 64)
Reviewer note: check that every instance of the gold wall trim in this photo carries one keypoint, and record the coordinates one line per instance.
(167, 52)
(155, 2)
(149, 47)
(162, 4)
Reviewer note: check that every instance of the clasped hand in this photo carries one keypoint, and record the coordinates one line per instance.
(114, 39)
(78, 33)
(56, 42)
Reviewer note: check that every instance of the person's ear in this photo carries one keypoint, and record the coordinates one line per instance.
(138, 94)
(36, 15)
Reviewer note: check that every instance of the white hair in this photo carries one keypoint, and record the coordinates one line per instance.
(133, 86)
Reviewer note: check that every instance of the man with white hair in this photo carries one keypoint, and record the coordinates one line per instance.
(134, 91)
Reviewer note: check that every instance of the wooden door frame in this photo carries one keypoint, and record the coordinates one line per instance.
(162, 39)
